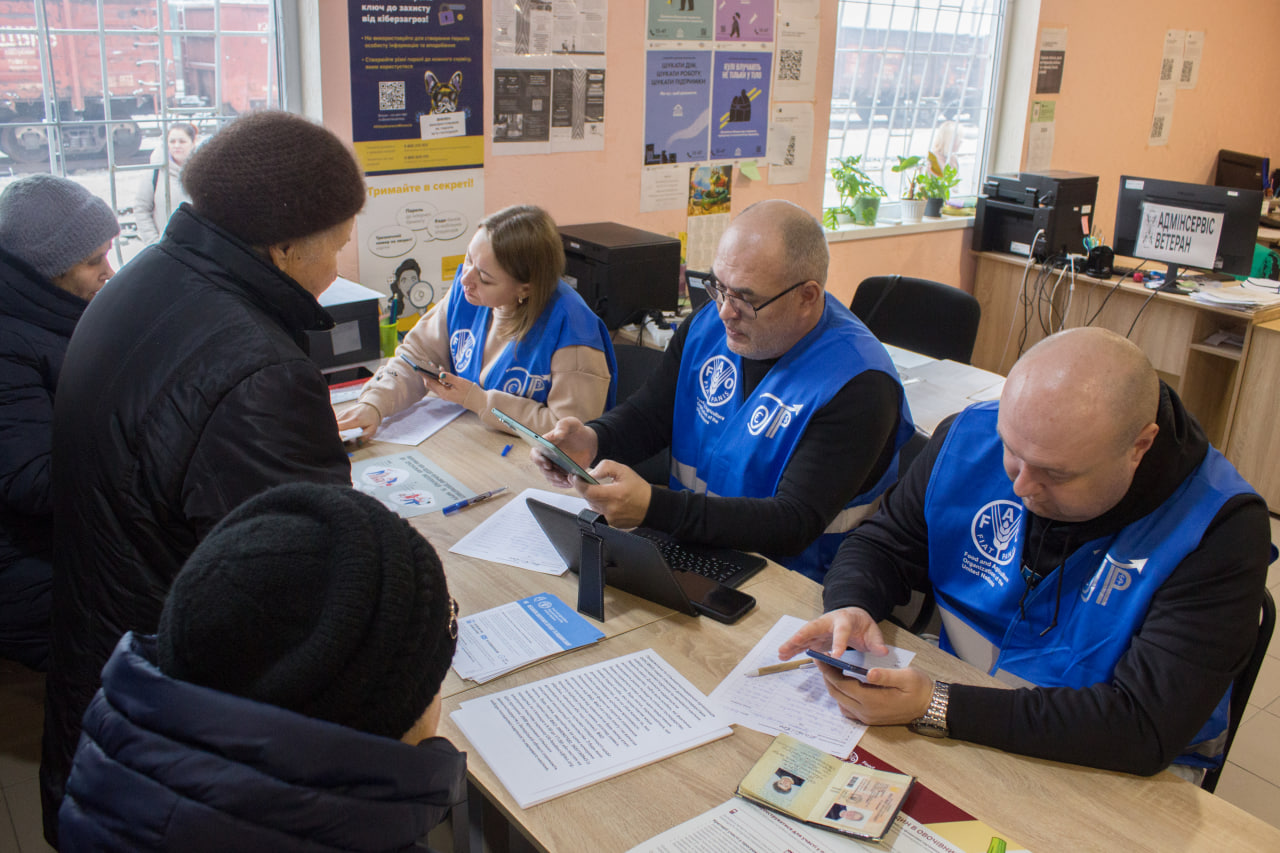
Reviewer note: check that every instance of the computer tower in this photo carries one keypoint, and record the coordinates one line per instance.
(621, 272)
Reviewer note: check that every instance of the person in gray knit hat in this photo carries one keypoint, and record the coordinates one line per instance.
(54, 239)
(187, 390)
(290, 698)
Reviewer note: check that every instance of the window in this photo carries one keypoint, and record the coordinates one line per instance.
(91, 88)
(913, 76)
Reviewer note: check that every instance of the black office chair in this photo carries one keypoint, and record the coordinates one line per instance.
(635, 365)
(1243, 684)
(920, 315)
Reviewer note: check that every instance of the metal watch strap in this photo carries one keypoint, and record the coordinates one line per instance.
(934, 721)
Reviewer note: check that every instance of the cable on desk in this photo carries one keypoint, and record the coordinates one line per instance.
(1019, 300)
(1140, 310)
(1113, 289)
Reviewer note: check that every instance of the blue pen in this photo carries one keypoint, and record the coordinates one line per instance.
(483, 496)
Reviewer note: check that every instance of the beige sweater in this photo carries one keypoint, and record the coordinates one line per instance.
(579, 378)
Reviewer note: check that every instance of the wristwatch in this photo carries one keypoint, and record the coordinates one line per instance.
(934, 721)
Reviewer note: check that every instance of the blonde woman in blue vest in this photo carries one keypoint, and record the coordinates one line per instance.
(509, 335)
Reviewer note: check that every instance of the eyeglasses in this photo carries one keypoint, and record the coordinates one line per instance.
(720, 294)
(453, 618)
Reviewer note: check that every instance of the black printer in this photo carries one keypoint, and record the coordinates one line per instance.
(621, 272)
(1013, 209)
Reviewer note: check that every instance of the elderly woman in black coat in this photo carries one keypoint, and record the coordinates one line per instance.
(54, 240)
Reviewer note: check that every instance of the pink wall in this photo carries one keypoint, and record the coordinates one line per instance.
(1103, 111)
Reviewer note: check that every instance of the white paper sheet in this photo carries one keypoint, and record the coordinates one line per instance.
(511, 536)
(563, 733)
(794, 702)
(418, 422)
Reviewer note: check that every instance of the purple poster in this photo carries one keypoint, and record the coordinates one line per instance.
(740, 104)
(677, 106)
(744, 20)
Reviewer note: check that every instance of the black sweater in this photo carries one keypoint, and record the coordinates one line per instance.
(1195, 639)
(844, 450)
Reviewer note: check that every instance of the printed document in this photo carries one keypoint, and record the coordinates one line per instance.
(496, 641)
(563, 733)
(795, 702)
(511, 536)
(419, 422)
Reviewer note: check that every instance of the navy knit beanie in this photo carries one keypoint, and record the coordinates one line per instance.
(271, 177)
(53, 223)
(317, 599)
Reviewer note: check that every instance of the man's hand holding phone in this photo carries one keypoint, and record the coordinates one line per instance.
(579, 443)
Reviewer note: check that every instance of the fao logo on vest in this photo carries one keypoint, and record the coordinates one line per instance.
(995, 531)
(461, 346)
(717, 379)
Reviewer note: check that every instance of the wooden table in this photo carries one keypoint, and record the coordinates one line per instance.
(1254, 444)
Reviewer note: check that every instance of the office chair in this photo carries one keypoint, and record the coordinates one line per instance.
(920, 315)
(635, 365)
(1243, 685)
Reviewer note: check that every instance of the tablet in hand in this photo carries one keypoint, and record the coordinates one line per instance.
(557, 456)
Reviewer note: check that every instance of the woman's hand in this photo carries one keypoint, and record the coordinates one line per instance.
(363, 416)
(450, 387)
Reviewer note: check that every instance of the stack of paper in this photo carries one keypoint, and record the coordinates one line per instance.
(1242, 297)
(563, 733)
(494, 642)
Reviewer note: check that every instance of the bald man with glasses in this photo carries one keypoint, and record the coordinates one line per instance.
(784, 415)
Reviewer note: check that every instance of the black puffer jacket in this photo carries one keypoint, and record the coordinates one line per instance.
(186, 390)
(36, 322)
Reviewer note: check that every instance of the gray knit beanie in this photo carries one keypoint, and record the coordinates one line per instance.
(52, 223)
(271, 177)
(317, 599)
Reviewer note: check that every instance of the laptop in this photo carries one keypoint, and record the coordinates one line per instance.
(634, 563)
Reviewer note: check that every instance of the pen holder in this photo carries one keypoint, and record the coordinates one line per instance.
(388, 339)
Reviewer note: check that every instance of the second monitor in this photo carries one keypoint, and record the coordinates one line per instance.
(1187, 225)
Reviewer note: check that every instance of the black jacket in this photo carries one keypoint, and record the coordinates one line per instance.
(1196, 636)
(186, 390)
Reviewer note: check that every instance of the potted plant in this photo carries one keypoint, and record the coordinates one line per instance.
(859, 194)
(912, 204)
(935, 184)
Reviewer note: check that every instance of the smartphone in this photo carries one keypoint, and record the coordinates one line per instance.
(434, 374)
(714, 600)
(845, 662)
(557, 456)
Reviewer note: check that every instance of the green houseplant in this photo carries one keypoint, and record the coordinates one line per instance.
(913, 202)
(859, 194)
(936, 184)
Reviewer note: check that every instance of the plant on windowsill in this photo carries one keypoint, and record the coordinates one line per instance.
(936, 184)
(912, 204)
(859, 194)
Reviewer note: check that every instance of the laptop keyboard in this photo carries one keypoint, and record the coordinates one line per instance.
(683, 560)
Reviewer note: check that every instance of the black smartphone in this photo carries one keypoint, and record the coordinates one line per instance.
(714, 600)
(434, 374)
(856, 670)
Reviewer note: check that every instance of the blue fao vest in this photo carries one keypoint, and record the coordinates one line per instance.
(524, 367)
(977, 527)
(725, 444)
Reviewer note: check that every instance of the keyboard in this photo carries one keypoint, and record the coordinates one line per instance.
(719, 564)
(1269, 221)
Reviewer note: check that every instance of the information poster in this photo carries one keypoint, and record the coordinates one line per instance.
(681, 20)
(1053, 55)
(408, 483)
(414, 232)
(549, 27)
(417, 86)
(740, 104)
(744, 20)
(797, 59)
(677, 106)
(790, 143)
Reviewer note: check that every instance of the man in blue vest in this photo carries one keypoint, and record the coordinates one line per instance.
(784, 415)
(1086, 543)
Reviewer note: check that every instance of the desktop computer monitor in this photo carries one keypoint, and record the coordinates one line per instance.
(1245, 171)
(1187, 225)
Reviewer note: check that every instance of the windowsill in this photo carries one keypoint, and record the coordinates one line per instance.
(863, 232)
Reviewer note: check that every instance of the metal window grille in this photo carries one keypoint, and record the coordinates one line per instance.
(84, 84)
(913, 76)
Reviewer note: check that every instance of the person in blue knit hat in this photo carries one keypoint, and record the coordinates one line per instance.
(290, 698)
(54, 240)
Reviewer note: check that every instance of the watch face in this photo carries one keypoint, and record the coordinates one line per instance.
(421, 295)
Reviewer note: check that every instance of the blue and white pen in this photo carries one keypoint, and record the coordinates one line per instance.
(483, 496)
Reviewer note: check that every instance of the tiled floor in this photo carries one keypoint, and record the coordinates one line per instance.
(1251, 780)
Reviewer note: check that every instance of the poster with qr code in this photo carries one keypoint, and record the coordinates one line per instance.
(1162, 116)
(1192, 51)
(1171, 56)
(796, 59)
(417, 98)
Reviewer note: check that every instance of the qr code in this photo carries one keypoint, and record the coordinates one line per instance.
(1186, 71)
(789, 159)
(1166, 69)
(1157, 127)
(789, 62)
(391, 95)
